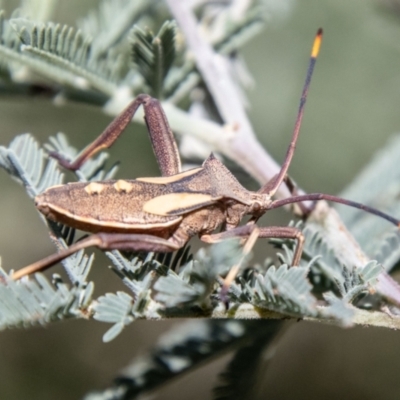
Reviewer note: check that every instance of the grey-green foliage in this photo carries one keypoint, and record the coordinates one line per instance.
(195, 282)
(200, 341)
(154, 55)
(38, 302)
(279, 290)
(64, 50)
(327, 271)
(235, 32)
(349, 280)
(377, 185)
(138, 274)
(96, 56)
(388, 252)
(110, 22)
(25, 161)
(116, 309)
(194, 290)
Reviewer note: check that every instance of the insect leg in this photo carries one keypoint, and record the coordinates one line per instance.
(104, 241)
(161, 136)
(252, 232)
(285, 232)
(276, 232)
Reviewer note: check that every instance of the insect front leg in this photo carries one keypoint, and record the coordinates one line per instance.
(104, 241)
(252, 232)
(161, 136)
(269, 232)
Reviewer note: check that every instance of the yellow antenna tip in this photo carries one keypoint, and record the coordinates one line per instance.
(317, 43)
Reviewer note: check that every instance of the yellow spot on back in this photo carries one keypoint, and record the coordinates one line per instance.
(177, 203)
(123, 186)
(163, 180)
(94, 188)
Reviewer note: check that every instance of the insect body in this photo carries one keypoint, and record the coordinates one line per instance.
(157, 214)
(156, 205)
(162, 213)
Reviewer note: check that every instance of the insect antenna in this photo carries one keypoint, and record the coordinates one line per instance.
(334, 199)
(271, 187)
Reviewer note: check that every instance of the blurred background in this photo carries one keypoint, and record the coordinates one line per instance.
(353, 108)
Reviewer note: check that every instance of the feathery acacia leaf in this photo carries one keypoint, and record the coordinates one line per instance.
(109, 22)
(26, 162)
(37, 302)
(63, 54)
(154, 55)
(349, 282)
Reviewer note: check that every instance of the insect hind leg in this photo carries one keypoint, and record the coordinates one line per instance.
(104, 241)
(161, 136)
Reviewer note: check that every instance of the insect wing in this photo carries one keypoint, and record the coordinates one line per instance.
(178, 203)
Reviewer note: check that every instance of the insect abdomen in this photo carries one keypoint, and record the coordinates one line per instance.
(111, 206)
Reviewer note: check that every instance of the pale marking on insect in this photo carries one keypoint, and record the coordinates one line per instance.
(123, 186)
(163, 180)
(111, 224)
(94, 188)
(177, 202)
(54, 187)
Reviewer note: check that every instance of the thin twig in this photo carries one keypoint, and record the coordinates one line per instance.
(360, 317)
(247, 311)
